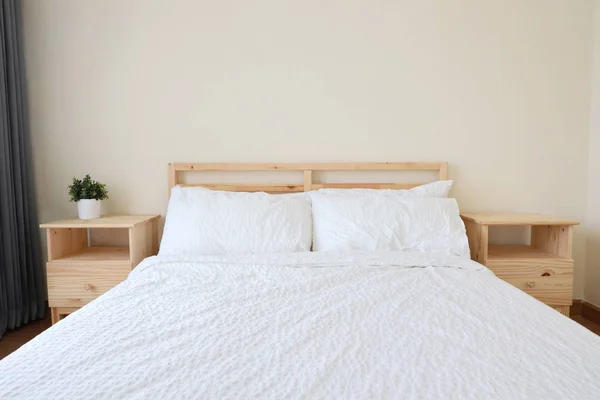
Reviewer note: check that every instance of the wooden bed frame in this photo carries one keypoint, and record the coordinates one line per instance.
(177, 169)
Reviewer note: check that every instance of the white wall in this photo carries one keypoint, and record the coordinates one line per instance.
(500, 89)
(592, 272)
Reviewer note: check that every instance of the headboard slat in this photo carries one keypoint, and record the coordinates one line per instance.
(323, 166)
(176, 169)
(248, 188)
(395, 186)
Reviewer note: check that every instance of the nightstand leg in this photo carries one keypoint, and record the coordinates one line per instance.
(565, 310)
(54, 315)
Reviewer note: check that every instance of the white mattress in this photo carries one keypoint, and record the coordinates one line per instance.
(309, 326)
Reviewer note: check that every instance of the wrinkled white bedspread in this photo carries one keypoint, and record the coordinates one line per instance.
(309, 326)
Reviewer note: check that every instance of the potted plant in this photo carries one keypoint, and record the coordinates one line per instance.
(88, 194)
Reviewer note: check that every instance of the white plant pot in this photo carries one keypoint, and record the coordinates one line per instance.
(88, 208)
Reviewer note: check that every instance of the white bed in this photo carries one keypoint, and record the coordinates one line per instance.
(391, 308)
(309, 326)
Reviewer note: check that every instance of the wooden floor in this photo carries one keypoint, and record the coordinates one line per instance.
(12, 340)
(587, 323)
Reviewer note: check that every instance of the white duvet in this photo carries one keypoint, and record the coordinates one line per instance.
(309, 326)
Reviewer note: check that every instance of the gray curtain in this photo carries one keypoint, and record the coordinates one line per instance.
(22, 294)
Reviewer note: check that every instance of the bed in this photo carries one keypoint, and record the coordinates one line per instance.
(308, 325)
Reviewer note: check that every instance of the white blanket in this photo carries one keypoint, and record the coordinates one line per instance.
(309, 326)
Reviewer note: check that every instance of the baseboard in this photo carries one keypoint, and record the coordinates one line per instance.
(576, 307)
(590, 312)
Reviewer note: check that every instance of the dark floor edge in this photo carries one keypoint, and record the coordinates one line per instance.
(590, 312)
(576, 307)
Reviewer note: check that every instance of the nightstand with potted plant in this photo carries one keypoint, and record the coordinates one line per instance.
(79, 271)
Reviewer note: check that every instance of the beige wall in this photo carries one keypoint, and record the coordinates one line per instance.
(500, 89)
(592, 273)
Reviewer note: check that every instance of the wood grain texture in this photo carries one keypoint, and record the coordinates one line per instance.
(62, 312)
(78, 273)
(518, 252)
(565, 310)
(143, 241)
(109, 221)
(97, 254)
(543, 269)
(478, 241)
(65, 242)
(554, 239)
(154, 238)
(534, 268)
(248, 188)
(443, 172)
(282, 188)
(308, 170)
(172, 177)
(548, 280)
(393, 186)
(73, 285)
(54, 314)
(58, 313)
(322, 166)
(308, 182)
(516, 219)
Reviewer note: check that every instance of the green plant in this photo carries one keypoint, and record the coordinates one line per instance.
(87, 188)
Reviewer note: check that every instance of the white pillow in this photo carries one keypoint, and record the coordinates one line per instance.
(439, 189)
(384, 222)
(203, 221)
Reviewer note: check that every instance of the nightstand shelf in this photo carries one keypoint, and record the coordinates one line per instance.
(78, 272)
(101, 254)
(496, 253)
(543, 269)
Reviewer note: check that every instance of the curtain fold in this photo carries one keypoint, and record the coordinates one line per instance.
(22, 292)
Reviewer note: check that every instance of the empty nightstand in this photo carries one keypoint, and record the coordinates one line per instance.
(543, 269)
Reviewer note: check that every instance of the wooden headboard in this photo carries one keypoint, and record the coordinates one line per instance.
(177, 169)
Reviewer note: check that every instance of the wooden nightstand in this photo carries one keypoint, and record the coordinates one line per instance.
(543, 269)
(77, 273)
